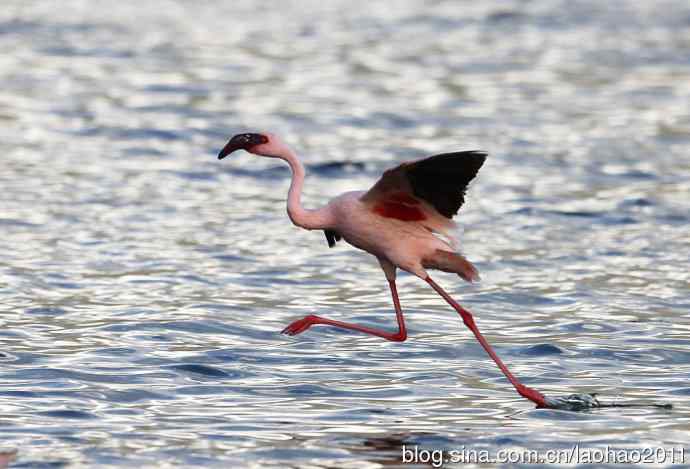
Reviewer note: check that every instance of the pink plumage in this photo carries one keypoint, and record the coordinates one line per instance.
(405, 220)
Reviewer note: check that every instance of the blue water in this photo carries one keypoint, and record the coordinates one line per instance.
(144, 284)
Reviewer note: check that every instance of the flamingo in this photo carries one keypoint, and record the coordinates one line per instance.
(405, 220)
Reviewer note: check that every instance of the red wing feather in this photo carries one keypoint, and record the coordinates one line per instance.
(439, 180)
(400, 206)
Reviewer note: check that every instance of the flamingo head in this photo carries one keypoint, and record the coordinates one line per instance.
(264, 144)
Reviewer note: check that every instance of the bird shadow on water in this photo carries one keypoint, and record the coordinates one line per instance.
(433, 448)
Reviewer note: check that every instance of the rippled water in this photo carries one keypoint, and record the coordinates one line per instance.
(144, 284)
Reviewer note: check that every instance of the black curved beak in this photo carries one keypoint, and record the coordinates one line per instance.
(242, 142)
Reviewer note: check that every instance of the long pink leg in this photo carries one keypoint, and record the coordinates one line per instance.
(525, 391)
(306, 322)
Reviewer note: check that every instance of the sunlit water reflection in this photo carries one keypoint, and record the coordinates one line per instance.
(144, 283)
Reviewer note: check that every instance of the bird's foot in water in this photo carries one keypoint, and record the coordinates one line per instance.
(301, 325)
(578, 402)
(573, 402)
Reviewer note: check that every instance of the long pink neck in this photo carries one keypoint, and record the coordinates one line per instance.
(309, 219)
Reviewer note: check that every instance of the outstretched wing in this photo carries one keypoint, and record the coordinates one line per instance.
(439, 180)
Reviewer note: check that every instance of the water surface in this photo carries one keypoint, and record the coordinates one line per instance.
(144, 284)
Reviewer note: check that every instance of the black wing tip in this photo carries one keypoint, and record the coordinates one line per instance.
(474, 154)
(332, 237)
(479, 156)
(469, 160)
(481, 153)
(442, 180)
(475, 158)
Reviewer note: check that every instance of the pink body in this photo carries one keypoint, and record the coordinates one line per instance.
(402, 243)
(400, 230)
(391, 222)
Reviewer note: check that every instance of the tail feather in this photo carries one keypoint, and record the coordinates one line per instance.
(452, 262)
